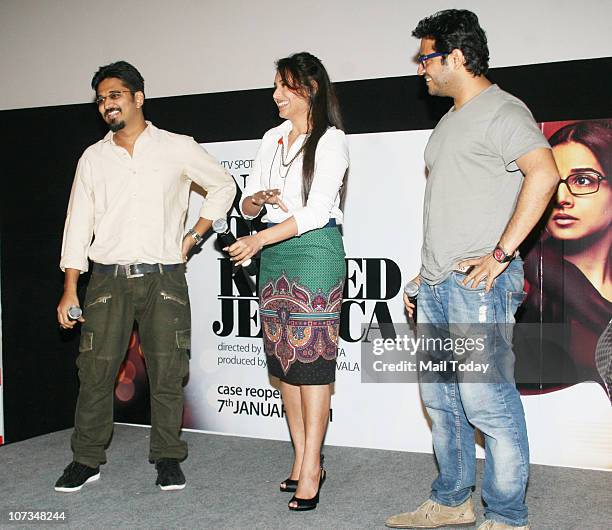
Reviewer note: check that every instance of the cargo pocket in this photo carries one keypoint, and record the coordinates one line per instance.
(86, 342)
(183, 339)
(183, 343)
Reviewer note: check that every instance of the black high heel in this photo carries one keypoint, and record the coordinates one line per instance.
(291, 484)
(308, 504)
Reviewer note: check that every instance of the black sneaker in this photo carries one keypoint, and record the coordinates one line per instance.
(75, 476)
(169, 474)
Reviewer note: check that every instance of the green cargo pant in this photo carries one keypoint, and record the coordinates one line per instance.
(159, 303)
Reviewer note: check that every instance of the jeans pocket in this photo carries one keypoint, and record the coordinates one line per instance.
(458, 279)
(513, 300)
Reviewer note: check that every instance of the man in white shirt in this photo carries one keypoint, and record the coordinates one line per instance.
(131, 191)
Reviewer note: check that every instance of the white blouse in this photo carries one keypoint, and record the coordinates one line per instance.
(331, 163)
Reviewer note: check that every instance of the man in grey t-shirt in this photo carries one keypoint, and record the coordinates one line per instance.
(491, 175)
(474, 179)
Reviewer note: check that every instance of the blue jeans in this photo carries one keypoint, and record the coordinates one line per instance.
(495, 408)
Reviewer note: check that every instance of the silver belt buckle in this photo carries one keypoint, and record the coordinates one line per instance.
(129, 274)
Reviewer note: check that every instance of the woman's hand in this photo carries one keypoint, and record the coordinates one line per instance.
(244, 248)
(271, 196)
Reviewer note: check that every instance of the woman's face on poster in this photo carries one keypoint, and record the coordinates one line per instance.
(574, 217)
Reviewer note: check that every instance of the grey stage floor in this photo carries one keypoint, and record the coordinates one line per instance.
(233, 483)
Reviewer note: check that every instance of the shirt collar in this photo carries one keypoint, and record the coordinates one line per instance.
(285, 129)
(149, 133)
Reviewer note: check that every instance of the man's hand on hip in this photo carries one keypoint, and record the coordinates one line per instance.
(486, 268)
(188, 244)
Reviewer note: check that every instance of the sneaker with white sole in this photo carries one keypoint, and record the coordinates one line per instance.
(75, 476)
(433, 515)
(169, 474)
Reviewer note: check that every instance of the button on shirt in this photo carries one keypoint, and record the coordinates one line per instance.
(331, 163)
(136, 205)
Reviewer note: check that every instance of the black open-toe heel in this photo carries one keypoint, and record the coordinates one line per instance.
(308, 504)
(291, 485)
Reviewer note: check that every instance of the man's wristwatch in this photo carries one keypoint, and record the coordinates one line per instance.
(196, 237)
(500, 255)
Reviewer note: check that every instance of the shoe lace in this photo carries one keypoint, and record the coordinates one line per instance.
(75, 470)
(429, 507)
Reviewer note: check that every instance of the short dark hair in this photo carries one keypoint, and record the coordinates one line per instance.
(457, 29)
(595, 135)
(121, 70)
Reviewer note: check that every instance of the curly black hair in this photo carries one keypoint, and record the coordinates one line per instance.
(121, 70)
(457, 29)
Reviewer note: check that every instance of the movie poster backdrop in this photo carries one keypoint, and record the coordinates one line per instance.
(566, 393)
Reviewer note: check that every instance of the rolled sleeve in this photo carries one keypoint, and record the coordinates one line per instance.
(514, 133)
(78, 228)
(253, 182)
(331, 163)
(204, 170)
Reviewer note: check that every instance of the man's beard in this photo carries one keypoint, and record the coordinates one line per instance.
(116, 126)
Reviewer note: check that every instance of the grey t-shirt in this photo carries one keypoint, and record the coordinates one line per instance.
(473, 180)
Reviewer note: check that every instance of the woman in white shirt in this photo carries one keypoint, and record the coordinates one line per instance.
(299, 177)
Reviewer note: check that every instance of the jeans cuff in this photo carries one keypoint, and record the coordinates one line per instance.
(449, 504)
(501, 519)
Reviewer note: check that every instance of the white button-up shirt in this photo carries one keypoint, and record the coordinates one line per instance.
(331, 163)
(136, 205)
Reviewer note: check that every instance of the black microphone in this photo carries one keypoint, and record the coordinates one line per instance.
(411, 289)
(228, 239)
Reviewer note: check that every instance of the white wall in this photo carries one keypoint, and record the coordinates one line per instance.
(50, 48)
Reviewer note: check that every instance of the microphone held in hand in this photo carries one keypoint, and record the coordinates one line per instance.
(74, 312)
(412, 289)
(227, 239)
